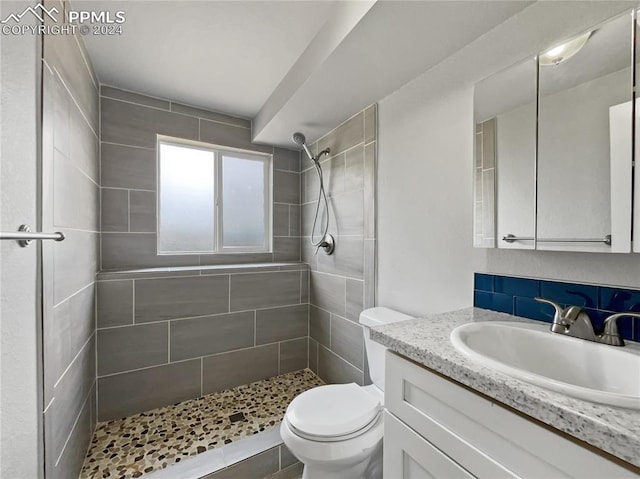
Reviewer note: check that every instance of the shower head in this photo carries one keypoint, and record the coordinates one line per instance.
(300, 140)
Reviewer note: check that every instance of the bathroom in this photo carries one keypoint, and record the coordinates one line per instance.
(101, 335)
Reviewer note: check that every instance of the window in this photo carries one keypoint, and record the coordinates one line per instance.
(212, 199)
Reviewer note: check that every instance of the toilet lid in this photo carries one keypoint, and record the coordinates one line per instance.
(333, 410)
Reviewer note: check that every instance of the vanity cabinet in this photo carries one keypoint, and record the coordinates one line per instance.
(436, 428)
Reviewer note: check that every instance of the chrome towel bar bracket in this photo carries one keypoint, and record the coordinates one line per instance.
(24, 236)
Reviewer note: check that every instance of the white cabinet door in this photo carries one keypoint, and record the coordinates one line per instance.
(409, 456)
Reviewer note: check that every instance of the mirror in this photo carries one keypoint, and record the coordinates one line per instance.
(553, 147)
(505, 135)
(584, 141)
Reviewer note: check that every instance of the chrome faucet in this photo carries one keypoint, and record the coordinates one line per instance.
(575, 321)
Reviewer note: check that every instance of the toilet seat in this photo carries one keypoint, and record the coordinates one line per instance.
(332, 413)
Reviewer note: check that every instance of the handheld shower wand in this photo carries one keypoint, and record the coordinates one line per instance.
(326, 242)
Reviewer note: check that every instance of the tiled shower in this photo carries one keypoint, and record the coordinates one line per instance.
(133, 331)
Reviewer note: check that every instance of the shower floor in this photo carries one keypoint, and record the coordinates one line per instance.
(150, 441)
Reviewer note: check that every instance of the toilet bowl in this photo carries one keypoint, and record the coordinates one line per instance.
(336, 430)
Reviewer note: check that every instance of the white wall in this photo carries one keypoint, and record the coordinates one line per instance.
(425, 258)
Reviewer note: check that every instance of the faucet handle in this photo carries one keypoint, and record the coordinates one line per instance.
(610, 334)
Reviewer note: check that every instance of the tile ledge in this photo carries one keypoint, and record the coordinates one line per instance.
(283, 266)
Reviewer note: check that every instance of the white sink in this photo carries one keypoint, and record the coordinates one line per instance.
(530, 352)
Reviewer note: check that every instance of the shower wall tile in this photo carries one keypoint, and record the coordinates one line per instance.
(280, 220)
(286, 249)
(71, 204)
(142, 211)
(196, 337)
(287, 160)
(117, 94)
(136, 125)
(115, 210)
(346, 260)
(347, 135)
(336, 369)
(228, 370)
(124, 394)
(121, 251)
(320, 325)
(210, 115)
(228, 135)
(286, 187)
(313, 355)
(343, 284)
(328, 292)
(119, 348)
(160, 299)
(115, 303)
(347, 340)
(280, 324)
(264, 290)
(294, 220)
(293, 355)
(128, 167)
(304, 286)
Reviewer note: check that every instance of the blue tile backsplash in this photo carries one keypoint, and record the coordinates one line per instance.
(515, 296)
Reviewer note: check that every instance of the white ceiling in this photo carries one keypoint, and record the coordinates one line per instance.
(227, 56)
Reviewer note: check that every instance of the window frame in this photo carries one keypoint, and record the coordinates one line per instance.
(218, 230)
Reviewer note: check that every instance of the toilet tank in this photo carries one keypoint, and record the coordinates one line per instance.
(375, 351)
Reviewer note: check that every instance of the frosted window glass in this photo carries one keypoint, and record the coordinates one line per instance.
(243, 202)
(186, 199)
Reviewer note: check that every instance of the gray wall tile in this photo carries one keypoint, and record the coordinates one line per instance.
(354, 169)
(293, 355)
(142, 211)
(308, 252)
(355, 299)
(333, 172)
(209, 115)
(135, 125)
(83, 145)
(333, 369)
(284, 159)
(286, 187)
(347, 340)
(264, 290)
(70, 392)
(279, 324)
(115, 210)
(228, 370)
(137, 250)
(370, 123)
(159, 299)
(328, 292)
(349, 134)
(294, 220)
(75, 261)
(286, 457)
(235, 258)
(347, 213)
(320, 325)
(369, 191)
(256, 467)
(286, 249)
(76, 199)
(280, 220)
(128, 167)
(115, 303)
(132, 347)
(117, 94)
(346, 260)
(304, 285)
(310, 185)
(369, 273)
(229, 135)
(125, 394)
(191, 338)
(72, 456)
(313, 355)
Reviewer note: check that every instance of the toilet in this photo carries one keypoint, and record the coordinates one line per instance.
(336, 430)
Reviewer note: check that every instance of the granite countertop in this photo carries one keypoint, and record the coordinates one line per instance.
(426, 341)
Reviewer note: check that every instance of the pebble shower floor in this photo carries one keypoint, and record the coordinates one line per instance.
(152, 440)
